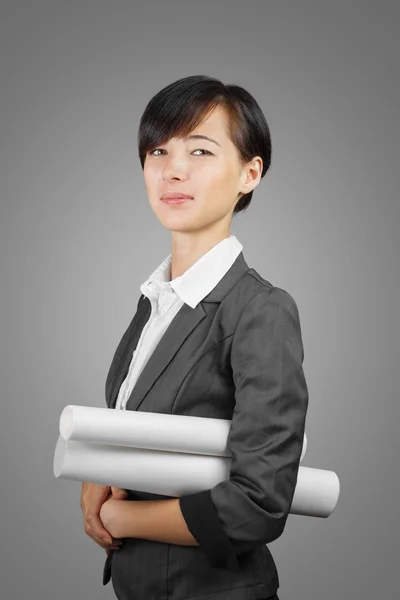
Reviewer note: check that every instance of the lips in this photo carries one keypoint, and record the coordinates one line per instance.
(175, 196)
(176, 200)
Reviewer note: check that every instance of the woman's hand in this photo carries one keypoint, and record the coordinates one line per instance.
(110, 515)
(92, 499)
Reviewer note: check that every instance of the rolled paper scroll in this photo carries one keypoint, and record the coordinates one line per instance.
(153, 431)
(178, 473)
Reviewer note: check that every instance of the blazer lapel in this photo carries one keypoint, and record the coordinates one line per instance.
(120, 364)
(178, 330)
(182, 325)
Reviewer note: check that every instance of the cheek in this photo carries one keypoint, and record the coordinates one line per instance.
(217, 189)
(218, 179)
(151, 176)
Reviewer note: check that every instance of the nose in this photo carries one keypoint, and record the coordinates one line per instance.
(174, 168)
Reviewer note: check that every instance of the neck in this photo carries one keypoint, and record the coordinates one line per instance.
(188, 249)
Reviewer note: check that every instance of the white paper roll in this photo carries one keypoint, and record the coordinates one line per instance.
(154, 431)
(178, 474)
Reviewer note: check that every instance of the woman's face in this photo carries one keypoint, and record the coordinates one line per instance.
(209, 172)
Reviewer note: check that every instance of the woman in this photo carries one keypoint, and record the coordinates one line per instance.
(210, 338)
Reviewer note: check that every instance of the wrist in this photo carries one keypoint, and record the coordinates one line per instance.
(111, 515)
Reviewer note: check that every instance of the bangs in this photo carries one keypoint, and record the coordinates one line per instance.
(177, 110)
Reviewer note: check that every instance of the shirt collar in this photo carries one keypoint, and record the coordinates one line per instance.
(199, 279)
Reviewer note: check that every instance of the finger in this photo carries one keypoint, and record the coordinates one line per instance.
(118, 492)
(109, 550)
(113, 546)
(98, 532)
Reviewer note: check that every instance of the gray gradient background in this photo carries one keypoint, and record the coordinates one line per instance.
(78, 237)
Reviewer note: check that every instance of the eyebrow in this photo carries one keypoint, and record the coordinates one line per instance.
(201, 137)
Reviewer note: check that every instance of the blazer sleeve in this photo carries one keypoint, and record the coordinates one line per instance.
(265, 438)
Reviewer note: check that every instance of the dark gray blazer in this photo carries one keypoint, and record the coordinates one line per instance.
(238, 355)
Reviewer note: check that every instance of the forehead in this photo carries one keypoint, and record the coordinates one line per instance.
(217, 119)
(215, 125)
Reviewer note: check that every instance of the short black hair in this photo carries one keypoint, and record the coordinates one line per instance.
(181, 106)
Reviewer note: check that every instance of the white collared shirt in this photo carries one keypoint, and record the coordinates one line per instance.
(168, 296)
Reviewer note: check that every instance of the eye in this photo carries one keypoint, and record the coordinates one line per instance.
(152, 151)
(156, 149)
(202, 150)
